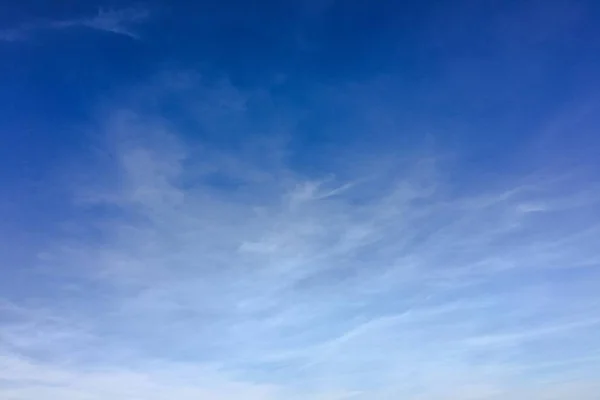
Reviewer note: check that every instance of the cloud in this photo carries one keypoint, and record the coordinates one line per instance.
(196, 271)
(157, 381)
(119, 22)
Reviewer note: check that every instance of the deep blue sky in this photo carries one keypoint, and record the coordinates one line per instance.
(360, 159)
(489, 74)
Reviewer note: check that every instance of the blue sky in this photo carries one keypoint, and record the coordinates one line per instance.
(318, 200)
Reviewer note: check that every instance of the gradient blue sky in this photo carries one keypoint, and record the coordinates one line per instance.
(313, 199)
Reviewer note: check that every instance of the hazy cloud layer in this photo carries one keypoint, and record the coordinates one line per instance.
(198, 272)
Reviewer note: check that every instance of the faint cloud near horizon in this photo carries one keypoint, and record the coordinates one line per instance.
(113, 21)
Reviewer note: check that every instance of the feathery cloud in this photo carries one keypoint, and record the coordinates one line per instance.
(203, 273)
(119, 22)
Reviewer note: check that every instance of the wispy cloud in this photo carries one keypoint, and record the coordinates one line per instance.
(204, 273)
(121, 22)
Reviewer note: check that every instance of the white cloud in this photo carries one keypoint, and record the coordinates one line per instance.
(119, 22)
(28, 380)
(202, 274)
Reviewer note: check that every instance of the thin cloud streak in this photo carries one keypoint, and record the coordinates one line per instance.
(119, 22)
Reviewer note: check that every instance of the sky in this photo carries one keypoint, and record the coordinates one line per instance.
(311, 199)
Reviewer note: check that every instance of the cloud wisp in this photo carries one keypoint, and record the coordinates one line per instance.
(120, 22)
(204, 273)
